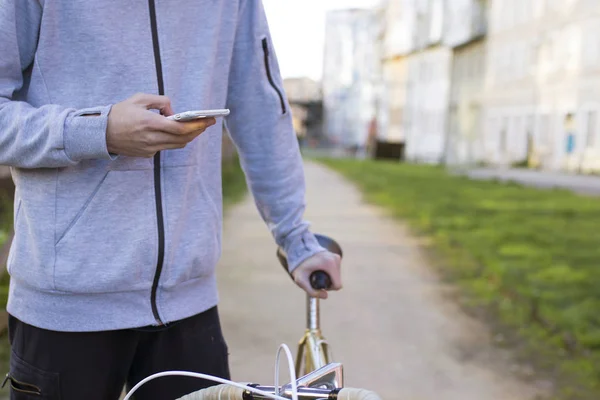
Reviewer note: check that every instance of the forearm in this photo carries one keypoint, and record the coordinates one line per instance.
(50, 136)
(261, 127)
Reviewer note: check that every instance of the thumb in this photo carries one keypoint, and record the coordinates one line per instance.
(154, 102)
(302, 279)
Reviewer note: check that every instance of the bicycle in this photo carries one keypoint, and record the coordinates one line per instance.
(320, 377)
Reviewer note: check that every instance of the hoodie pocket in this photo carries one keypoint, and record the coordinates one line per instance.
(110, 246)
(193, 229)
(267, 54)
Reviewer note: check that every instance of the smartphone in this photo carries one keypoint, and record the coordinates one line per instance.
(193, 115)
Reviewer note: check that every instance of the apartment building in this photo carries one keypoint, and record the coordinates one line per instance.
(543, 84)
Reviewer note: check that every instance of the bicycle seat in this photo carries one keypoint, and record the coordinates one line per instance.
(326, 242)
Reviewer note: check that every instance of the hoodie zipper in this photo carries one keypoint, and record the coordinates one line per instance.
(157, 178)
(265, 45)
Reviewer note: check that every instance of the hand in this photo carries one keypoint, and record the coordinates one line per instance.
(135, 131)
(325, 261)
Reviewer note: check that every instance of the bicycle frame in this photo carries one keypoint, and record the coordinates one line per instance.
(313, 350)
(319, 377)
(313, 361)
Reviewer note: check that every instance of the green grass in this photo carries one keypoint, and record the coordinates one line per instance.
(234, 182)
(529, 258)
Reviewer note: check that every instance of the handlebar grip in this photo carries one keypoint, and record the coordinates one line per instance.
(320, 280)
(220, 392)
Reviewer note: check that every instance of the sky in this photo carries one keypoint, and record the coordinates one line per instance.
(298, 30)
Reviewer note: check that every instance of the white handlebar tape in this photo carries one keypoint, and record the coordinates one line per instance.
(220, 392)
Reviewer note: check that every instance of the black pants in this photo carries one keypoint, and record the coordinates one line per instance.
(75, 366)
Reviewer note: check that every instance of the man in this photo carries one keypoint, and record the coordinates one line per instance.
(118, 209)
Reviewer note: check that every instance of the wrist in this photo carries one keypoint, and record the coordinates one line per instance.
(85, 134)
(301, 248)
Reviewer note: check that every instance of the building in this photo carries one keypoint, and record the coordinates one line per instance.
(302, 90)
(416, 71)
(543, 84)
(350, 76)
(428, 92)
(465, 31)
(511, 82)
(390, 137)
(433, 69)
(429, 67)
(395, 43)
(306, 103)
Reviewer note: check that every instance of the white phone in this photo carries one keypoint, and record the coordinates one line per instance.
(192, 115)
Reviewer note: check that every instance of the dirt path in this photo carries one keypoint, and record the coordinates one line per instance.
(394, 326)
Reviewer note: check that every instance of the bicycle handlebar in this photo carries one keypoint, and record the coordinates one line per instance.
(320, 280)
(228, 392)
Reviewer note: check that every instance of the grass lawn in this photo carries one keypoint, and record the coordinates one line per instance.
(529, 258)
(234, 182)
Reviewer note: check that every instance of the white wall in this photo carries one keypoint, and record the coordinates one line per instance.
(427, 104)
(400, 27)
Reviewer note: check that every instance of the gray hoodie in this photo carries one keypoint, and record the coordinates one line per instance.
(107, 242)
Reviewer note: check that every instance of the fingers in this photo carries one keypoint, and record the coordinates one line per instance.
(157, 140)
(163, 103)
(185, 128)
(159, 123)
(334, 272)
(303, 280)
(156, 135)
(326, 262)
